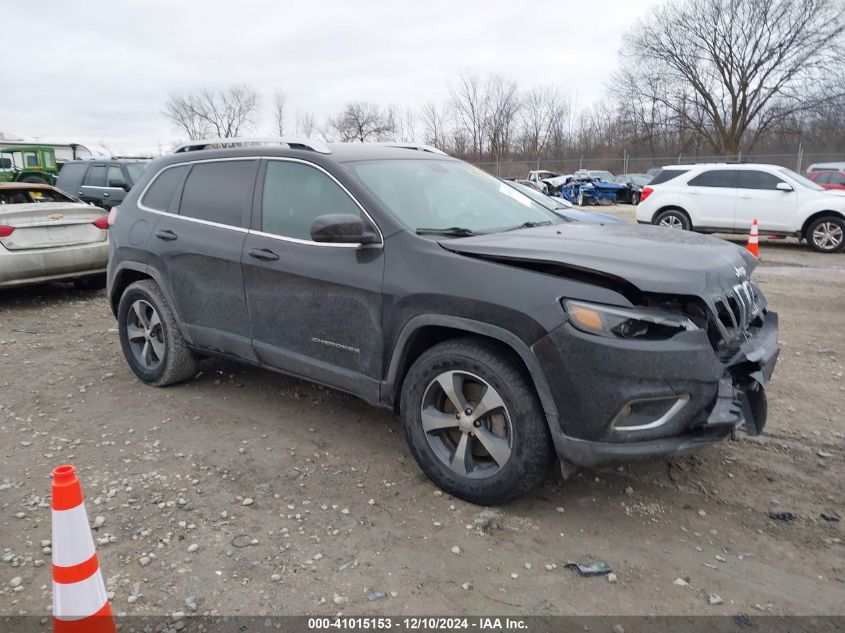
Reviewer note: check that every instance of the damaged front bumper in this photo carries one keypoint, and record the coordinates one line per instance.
(624, 400)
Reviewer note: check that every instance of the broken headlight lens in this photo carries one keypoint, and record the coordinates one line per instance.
(637, 323)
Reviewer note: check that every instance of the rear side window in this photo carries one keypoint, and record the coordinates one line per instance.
(96, 176)
(116, 178)
(665, 175)
(715, 178)
(160, 194)
(751, 179)
(295, 195)
(219, 191)
(71, 176)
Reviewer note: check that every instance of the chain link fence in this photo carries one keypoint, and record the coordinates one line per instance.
(626, 164)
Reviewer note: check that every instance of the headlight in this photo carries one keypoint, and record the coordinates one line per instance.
(641, 323)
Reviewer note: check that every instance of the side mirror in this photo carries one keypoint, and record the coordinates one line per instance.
(784, 186)
(342, 228)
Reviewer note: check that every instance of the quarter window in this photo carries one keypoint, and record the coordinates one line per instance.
(295, 195)
(751, 179)
(160, 194)
(715, 178)
(219, 191)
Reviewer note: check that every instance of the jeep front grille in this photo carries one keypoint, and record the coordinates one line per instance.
(734, 314)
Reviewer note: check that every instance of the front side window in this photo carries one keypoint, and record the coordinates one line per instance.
(821, 177)
(49, 161)
(295, 195)
(441, 194)
(96, 176)
(159, 196)
(218, 191)
(837, 179)
(715, 178)
(753, 179)
(30, 159)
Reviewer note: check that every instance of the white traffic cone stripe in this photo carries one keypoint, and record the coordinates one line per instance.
(80, 599)
(72, 542)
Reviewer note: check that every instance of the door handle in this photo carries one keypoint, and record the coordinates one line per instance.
(105, 194)
(167, 235)
(264, 254)
(81, 194)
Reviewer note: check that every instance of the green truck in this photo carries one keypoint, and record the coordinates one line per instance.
(28, 163)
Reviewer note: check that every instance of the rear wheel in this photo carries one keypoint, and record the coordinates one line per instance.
(673, 219)
(150, 337)
(827, 234)
(635, 198)
(474, 424)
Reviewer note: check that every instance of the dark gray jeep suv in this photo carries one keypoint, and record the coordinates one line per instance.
(503, 335)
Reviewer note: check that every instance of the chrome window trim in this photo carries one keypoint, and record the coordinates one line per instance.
(679, 404)
(240, 229)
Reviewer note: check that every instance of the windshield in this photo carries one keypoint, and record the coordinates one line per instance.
(804, 182)
(441, 194)
(136, 170)
(538, 197)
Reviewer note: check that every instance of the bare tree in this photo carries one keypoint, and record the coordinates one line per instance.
(306, 123)
(279, 111)
(542, 112)
(434, 121)
(735, 69)
(470, 106)
(503, 105)
(221, 113)
(363, 122)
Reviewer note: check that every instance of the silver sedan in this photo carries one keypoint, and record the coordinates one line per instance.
(47, 235)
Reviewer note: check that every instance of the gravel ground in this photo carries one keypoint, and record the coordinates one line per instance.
(247, 492)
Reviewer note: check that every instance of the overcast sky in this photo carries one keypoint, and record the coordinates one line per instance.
(99, 71)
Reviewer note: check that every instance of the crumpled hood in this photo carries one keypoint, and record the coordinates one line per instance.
(653, 259)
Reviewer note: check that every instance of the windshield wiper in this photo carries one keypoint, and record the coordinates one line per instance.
(452, 231)
(529, 225)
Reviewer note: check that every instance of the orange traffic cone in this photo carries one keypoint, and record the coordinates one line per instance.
(80, 603)
(753, 245)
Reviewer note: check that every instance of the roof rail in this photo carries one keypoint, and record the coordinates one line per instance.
(291, 142)
(417, 146)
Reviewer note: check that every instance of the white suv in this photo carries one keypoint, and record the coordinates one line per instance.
(725, 198)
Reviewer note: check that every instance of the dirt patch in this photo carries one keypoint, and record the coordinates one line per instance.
(341, 514)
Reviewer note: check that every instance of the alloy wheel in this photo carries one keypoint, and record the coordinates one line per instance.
(672, 222)
(145, 334)
(466, 424)
(827, 236)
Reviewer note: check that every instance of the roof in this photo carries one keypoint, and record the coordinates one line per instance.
(26, 185)
(25, 148)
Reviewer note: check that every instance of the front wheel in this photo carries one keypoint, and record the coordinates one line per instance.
(474, 424)
(673, 219)
(150, 337)
(827, 234)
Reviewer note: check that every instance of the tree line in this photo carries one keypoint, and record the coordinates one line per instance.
(695, 77)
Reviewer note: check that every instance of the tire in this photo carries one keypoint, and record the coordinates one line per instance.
(579, 199)
(34, 179)
(826, 234)
(516, 431)
(92, 282)
(635, 198)
(162, 358)
(674, 219)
